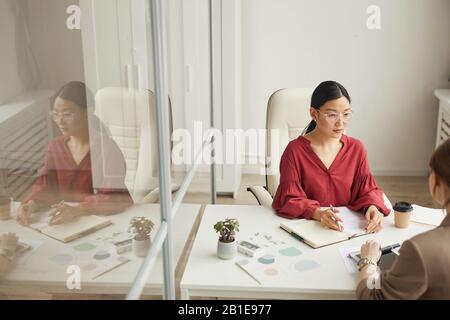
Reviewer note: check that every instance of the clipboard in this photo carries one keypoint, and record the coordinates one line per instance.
(388, 255)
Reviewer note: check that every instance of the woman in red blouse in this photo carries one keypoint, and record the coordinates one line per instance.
(326, 168)
(70, 162)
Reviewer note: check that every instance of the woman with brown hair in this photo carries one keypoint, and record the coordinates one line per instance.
(422, 271)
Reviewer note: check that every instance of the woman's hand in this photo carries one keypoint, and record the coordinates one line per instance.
(371, 250)
(8, 241)
(62, 213)
(374, 219)
(328, 218)
(25, 211)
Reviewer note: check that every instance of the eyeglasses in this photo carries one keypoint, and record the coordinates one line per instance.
(333, 117)
(66, 115)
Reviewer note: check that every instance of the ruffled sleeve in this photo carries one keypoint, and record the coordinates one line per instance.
(44, 190)
(290, 200)
(365, 191)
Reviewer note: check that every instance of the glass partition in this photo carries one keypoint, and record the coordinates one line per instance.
(79, 150)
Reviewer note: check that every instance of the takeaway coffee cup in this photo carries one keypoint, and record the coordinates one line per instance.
(402, 212)
(5, 208)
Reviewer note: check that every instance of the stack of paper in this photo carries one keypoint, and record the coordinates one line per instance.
(425, 215)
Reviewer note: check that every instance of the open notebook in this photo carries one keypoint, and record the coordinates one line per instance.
(315, 235)
(69, 231)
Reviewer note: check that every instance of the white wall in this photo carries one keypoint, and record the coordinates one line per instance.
(58, 50)
(390, 73)
(176, 61)
(10, 83)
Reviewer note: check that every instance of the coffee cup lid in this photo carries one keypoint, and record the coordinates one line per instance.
(403, 207)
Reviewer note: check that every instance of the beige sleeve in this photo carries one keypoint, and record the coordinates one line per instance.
(405, 280)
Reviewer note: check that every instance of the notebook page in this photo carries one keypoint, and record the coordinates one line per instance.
(353, 222)
(40, 220)
(314, 233)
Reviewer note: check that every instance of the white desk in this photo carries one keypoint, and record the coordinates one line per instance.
(41, 274)
(206, 275)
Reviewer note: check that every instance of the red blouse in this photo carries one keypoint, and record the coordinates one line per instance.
(63, 179)
(306, 184)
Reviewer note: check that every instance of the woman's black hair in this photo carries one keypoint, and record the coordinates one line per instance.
(78, 93)
(326, 91)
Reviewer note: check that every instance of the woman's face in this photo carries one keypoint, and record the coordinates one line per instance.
(333, 117)
(69, 117)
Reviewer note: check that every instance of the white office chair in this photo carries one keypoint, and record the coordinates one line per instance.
(288, 114)
(129, 115)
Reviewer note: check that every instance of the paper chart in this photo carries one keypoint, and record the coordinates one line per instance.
(278, 265)
(93, 260)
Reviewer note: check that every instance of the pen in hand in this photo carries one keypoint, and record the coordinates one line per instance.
(340, 227)
(56, 211)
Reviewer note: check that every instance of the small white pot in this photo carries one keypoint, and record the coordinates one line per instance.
(141, 247)
(226, 250)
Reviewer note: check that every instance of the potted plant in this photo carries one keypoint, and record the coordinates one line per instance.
(226, 245)
(141, 227)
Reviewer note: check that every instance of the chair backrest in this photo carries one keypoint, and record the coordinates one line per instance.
(130, 116)
(287, 116)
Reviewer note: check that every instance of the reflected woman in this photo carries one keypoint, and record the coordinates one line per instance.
(71, 161)
(326, 168)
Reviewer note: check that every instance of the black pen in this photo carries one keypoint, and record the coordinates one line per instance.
(293, 234)
(389, 248)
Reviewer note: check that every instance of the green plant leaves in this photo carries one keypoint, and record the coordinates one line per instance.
(227, 229)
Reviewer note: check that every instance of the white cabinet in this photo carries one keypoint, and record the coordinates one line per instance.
(117, 52)
(116, 44)
(25, 131)
(226, 52)
(443, 125)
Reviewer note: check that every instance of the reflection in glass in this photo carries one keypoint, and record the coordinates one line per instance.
(69, 162)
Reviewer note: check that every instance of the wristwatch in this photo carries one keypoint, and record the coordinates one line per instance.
(364, 262)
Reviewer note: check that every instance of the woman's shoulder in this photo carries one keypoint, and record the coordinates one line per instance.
(436, 239)
(354, 146)
(57, 142)
(353, 142)
(296, 146)
(430, 247)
